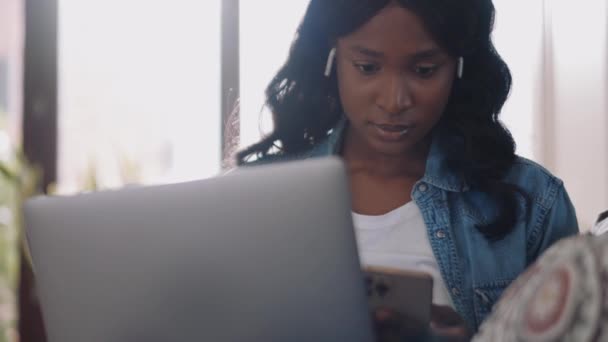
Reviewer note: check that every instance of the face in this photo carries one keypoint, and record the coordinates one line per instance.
(394, 82)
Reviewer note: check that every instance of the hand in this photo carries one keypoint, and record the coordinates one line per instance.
(445, 324)
(448, 324)
(391, 326)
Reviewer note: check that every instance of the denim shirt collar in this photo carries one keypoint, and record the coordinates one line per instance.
(438, 173)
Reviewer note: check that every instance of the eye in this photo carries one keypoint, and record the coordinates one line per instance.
(367, 68)
(426, 71)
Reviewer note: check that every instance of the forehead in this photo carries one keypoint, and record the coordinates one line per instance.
(394, 31)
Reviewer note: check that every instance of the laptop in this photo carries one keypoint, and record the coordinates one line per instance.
(264, 253)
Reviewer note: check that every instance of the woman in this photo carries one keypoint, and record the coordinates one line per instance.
(408, 93)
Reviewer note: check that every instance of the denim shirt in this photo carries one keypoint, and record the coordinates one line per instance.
(475, 270)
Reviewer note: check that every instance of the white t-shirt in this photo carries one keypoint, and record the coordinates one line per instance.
(399, 240)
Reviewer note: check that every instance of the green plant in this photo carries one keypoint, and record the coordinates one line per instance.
(18, 181)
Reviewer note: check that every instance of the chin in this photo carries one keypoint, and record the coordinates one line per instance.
(391, 149)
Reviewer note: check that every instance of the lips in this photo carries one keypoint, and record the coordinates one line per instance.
(391, 132)
(392, 128)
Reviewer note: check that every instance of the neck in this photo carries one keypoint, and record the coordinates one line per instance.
(360, 157)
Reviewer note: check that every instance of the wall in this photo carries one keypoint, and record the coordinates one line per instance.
(575, 119)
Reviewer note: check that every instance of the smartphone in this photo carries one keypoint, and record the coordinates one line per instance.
(409, 294)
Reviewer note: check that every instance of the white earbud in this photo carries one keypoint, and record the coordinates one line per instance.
(330, 62)
(460, 67)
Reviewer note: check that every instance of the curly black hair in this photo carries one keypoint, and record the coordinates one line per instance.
(306, 106)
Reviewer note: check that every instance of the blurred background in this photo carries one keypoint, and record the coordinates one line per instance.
(98, 94)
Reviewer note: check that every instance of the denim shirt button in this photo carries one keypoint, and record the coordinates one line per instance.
(455, 291)
(440, 234)
(423, 188)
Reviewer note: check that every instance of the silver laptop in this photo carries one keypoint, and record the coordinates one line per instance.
(265, 253)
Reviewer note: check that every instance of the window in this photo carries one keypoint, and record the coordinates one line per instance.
(270, 24)
(139, 92)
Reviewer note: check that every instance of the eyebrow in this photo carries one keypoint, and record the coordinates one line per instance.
(432, 52)
(368, 52)
(427, 53)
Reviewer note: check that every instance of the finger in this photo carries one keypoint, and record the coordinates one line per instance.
(445, 316)
(449, 331)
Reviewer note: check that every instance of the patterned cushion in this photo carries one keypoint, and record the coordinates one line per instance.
(562, 297)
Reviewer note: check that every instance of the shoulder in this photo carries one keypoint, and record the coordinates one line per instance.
(551, 215)
(321, 149)
(540, 184)
(266, 160)
(325, 146)
(277, 158)
(524, 168)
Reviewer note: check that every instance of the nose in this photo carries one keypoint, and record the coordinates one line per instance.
(395, 97)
